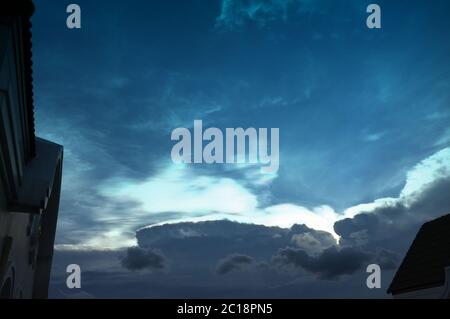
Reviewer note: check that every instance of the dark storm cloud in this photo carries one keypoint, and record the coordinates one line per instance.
(247, 246)
(208, 229)
(137, 258)
(222, 238)
(198, 267)
(234, 262)
(329, 264)
(188, 277)
(386, 225)
(244, 244)
(203, 244)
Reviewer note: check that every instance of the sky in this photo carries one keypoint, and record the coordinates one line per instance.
(364, 141)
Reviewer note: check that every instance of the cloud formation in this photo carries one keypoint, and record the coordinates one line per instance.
(368, 232)
(234, 262)
(424, 197)
(195, 194)
(235, 14)
(137, 258)
(331, 263)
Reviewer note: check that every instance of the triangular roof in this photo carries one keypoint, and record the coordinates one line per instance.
(425, 263)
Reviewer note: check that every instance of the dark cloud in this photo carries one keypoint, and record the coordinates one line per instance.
(243, 244)
(234, 262)
(139, 259)
(394, 226)
(218, 228)
(210, 241)
(222, 238)
(387, 259)
(329, 264)
(199, 269)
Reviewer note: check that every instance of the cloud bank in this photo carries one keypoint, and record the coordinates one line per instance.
(139, 259)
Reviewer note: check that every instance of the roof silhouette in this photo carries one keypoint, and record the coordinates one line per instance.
(424, 265)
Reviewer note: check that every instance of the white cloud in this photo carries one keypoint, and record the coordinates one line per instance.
(374, 137)
(368, 207)
(177, 189)
(418, 179)
(286, 215)
(423, 174)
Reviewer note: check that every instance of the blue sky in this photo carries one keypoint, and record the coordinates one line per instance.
(363, 114)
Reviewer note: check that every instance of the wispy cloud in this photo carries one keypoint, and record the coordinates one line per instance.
(235, 14)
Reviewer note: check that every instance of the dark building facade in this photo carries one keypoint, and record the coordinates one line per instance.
(30, 168)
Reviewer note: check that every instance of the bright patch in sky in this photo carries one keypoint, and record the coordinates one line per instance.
(427, 171)
(177, 189)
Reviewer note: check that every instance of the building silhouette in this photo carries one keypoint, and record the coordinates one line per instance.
(425, 271)
(30, 167)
